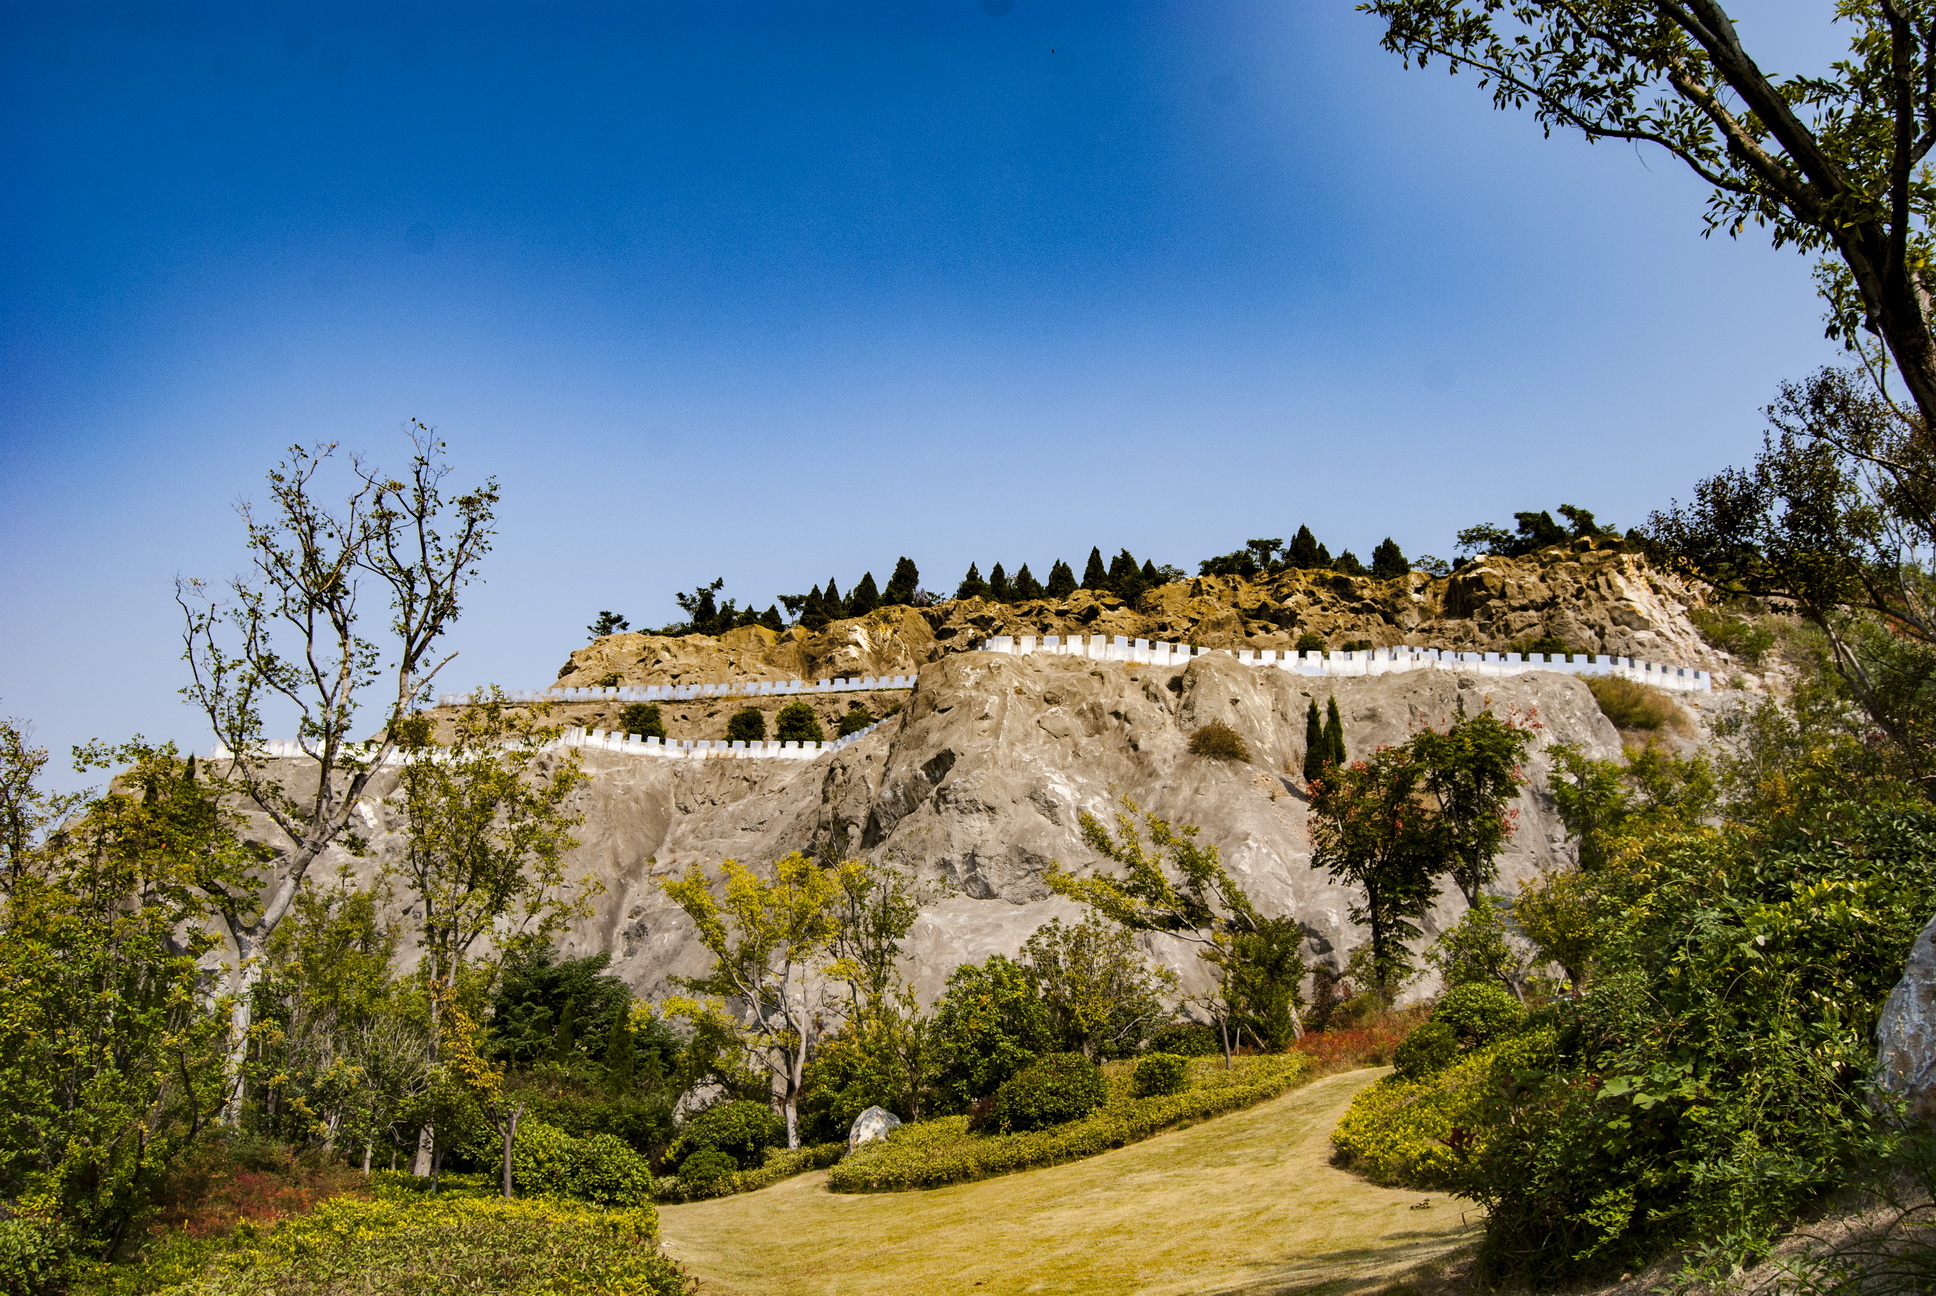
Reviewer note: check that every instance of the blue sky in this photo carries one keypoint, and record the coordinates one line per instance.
(778, 291)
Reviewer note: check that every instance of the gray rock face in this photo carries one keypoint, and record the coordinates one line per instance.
(871, 1126)
(976, 786)
(1906, 1031)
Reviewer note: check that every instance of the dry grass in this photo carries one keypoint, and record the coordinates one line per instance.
(1245, 1204)
(1219, 741)
(1635, 707)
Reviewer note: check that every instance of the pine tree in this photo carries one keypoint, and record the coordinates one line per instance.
(1334, 733)
(813, 612)
(1149, 576)
(1388, 561)
(972, 585)
(1062, 580)
(797, 723)
(1324, 558)
(1095, 576)
(771, 618)
(1315, 746)
(998, 585)
(1347, 562)
(835, 605)
(748, 725)
(1303, 553)
(1026, 587)
(903, 584)
(866, 596)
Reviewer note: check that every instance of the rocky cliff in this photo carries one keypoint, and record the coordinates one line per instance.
(975, 786)
(1593, 597)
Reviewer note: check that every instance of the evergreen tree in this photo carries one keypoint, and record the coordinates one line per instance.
(1334, 733)
(1347, 562)
(1062, 580)
(608, 623)
(835, 605)
(642, 718)
(1316, 748)
(1026, 587)
(797, 723)
(1095, 576)
(866, 596)
(972, 585)
(813, 612)
(998, 585)
(748, 725)
(771, 618)
(702, 612)
(902, 585)
(1324, 558)
(1388, 561)
(1303, 553)
(1149, 577)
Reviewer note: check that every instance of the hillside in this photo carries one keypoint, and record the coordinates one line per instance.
(1594, 598)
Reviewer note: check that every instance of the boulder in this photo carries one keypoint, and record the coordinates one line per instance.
(871, 1126)
(1906, 1031)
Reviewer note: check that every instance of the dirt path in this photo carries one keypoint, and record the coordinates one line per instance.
(1245, 1204)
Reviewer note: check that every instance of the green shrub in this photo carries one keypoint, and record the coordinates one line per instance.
(642, 718)
(1161, 1073)
(748, 725)
(1355, 645)
(1310, 641)
(797, 723)
(1428, 1050)
(541, 1159)
(707, 1172)
(33, 1254)
(1544, 646)
(1049, 1091)
(1219, 741)
(546, 1161)
(857, 718)
(989, 1024)
(1631, 705)
(1400, 1132)
(1186, 1039)
(742, 1130)
(944, 1151)
(781, 1163)
(434, 1246)
(1733, 635)
(1478, 1013)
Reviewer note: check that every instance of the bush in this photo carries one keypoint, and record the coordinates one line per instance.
(797, 723)
(857, 718)
(1543, 646)
(1426, 1051)
(748, 725)
(436, 1245)
(936, 1152)
(781, 1163)
(1161, 1073)
(1477, 1014)
(1309, 642)
(1355, 645)
(1630, 705)
(1049, 1091)
(1419, 1133)
(1733, 635)
(642, 718)
(1186, 1039)
(33, 1254)
(989, 1025)
(707, 1172)
(602, 1168)
(1219, 741)
(742, 1130)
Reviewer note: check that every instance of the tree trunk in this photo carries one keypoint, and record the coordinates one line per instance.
(510, 1132)
(242, 980)
(426, 1143)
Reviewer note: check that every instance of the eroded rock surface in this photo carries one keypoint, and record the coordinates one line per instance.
(1906, 1031)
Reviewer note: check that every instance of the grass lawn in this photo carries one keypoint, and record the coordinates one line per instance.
(1247, 1203)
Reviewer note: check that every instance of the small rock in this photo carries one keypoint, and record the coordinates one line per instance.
(871, 1126)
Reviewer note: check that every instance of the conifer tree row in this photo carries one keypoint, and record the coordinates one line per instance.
(1122, 576)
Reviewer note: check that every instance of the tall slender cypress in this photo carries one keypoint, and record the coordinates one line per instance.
(1095, 576)
(865, 598)
(1316, 748)
(903, 583)
(998, 585)
(1334, 733)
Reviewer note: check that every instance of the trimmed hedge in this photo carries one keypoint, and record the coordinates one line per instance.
(743, 1130)
(781, 1163)
(601, 1169)
(936, 1152)
(1051, 1090)
(1398, 1132)
(1157, 1074)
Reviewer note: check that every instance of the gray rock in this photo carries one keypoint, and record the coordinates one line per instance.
(871, 1126)
(1906, 1031)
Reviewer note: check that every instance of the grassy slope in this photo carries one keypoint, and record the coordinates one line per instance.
(1247, 1203)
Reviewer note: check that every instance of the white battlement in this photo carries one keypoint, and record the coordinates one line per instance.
(1371, 661)
(690, 692)
(605, 740)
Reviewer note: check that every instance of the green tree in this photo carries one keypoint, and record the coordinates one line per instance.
(865, 598)
(746, 725)
(704, 615)
(487, 826)
(998, 587)
(1369, 829)
(903, 584)
(1267, 982)
(1347, 563)
(1303, 553)
(832, 603)
(1333, 732)
(295, 635)
(1171, 884)
(813, 610)
(1095, 576)
(972, 585)
(1388, 560)
(26, 810)
(1026, 587)
(1317, 748)
(642, 718)
(771, 619)
(988, 1024)
(607, 623)
(1472, 771)
(772, 944)
(1124, 580)
(797, 723)
(1104, 997)
(856, 719)
(1830, 162)
(1483, 949)
(1062, 581)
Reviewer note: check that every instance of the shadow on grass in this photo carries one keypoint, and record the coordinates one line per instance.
(1399, 1264)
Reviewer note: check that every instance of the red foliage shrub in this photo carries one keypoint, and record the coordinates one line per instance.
(222, 1185)
(1366, 1044)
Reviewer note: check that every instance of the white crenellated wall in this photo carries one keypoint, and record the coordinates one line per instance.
(1372, 661)
(689, 692)
(628, 744)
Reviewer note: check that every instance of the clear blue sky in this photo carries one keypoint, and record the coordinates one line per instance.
(779, 291)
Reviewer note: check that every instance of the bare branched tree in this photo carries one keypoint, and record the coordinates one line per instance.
(339, 619)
